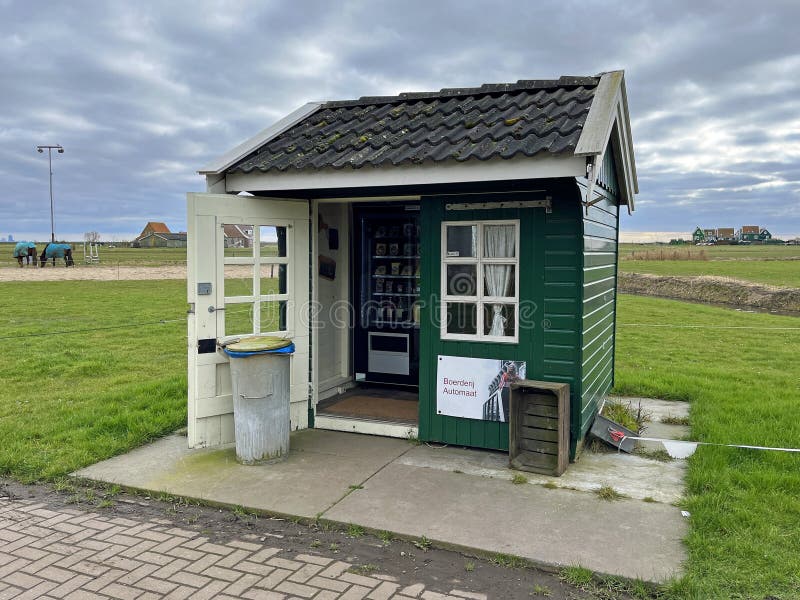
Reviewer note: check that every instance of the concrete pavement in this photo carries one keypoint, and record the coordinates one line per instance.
(453, 496)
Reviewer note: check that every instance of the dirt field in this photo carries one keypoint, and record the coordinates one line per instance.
(712, 290)
(121, 272)
(92, 273)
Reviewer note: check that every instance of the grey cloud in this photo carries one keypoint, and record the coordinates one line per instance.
(142, 94)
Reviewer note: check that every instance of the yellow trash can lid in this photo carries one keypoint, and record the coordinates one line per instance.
(258, 344)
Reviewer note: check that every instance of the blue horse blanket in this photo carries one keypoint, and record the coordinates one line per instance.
(21, 249)
(55, 250)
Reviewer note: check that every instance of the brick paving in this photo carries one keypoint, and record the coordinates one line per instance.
(78, 555)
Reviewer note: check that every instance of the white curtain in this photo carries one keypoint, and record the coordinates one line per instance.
(498, 242)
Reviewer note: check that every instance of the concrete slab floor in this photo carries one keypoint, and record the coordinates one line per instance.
(631, 475)
(558, 527)
(657, 409)
(321, 467)
(454, 496)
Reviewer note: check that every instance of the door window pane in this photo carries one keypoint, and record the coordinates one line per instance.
(273, 279)
(462, 318)
(238, 239)
(273, 241)
(462, 241)
(498, 280)
(238, 280)
(498, 320)
(239, 319)
(462, 280)
(273, 316)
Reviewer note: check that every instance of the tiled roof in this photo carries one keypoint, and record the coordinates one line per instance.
(157, 227)
(236, 231)
(494, 121)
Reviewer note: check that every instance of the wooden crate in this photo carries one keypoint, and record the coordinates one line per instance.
(539, 427)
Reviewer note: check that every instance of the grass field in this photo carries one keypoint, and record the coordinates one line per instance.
(72, 399)
(744, 386)
(111, 256)
(785, 273)
(757, 252)
(125, 256)
(772, 265)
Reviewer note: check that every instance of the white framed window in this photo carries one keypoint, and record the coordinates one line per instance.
(480, 281)
(255, 280)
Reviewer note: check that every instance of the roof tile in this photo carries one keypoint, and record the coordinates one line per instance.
(495, 121)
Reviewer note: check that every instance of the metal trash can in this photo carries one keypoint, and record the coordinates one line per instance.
(260, 385)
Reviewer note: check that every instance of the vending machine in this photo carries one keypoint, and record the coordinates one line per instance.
(387, 269)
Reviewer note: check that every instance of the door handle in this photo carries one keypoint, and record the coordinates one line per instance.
(211, 309)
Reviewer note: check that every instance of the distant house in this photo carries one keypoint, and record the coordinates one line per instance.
(162, 240)
(749, 233)
(153, 227)
(238, 236)
(726, 235)
(764, 235)
(698, 236)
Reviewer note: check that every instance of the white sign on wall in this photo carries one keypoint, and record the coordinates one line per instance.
(475, 388)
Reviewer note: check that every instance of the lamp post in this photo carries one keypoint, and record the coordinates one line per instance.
(50, 163)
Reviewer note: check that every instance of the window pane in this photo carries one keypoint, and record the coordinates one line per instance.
(498, 319)
(462, 280)
(273, 316)
(462, 240)
(273, 279)
(462, 318)
(239, 319)
(499, 241)
(238, 280)
(273, 240)
(238, 240)
(498, 280)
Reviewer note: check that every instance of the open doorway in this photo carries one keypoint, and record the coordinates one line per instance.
(377, 403)
(367, 283)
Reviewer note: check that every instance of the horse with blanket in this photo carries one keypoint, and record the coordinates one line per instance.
(23, 251)
(54, 251)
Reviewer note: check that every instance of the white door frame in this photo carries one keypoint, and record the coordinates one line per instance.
(336, 423)
(210, 405)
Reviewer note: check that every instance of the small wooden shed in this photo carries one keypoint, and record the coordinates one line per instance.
(430, 249)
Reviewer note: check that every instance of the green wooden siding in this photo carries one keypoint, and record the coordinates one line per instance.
(598, 328)
(549, 332)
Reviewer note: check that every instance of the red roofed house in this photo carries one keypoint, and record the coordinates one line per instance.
(153, 227)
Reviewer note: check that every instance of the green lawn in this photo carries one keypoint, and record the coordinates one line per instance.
(757, 252)
(744, 386)
(110, 256)
(73, 399)
(125, 256)
(784, 273)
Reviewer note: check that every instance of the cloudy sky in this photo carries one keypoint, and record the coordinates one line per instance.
(142, 94)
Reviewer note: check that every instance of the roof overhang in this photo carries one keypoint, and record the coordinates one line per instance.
(608, 121)
(538, 167)
(230, 158)
(607, 125)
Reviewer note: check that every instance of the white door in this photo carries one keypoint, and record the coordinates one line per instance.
(247, 273)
